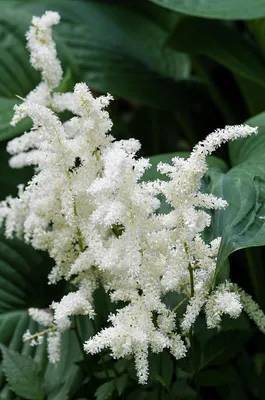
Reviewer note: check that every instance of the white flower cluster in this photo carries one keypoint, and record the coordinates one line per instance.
(88, 207)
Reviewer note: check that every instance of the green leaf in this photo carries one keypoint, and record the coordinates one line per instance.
(23, 374)
(167, 368)
(121, 383)
(23, 284)
(61, 394)
(18, 265)
(221, 9)
(241, 224)
(223, 347)
(166, 18)
(217, 377)
(251, 148)
(183, 390)
(106, 390)
(17, 77)
(65, 376)
(6, 114)
(222, 43)
(253, 94)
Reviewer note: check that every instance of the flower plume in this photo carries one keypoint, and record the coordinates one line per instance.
(88, 207)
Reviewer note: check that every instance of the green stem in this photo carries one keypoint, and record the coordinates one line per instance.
(79, 234)
(179, 304)
(191, 280)
(52, 329)
(191, 339)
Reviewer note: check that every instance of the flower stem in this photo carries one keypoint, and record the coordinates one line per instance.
(191, 280)
(179, 304)
(51, 329)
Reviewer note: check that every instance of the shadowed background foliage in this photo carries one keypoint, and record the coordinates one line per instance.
(178, 69)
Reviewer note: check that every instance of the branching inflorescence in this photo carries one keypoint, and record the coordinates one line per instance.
(88, 207)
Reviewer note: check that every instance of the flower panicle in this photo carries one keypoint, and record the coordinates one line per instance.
(89, 207)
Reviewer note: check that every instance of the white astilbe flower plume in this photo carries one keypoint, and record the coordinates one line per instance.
(223, 300)
(88, 206)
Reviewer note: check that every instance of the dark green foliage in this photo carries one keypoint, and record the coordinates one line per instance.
(178, 70)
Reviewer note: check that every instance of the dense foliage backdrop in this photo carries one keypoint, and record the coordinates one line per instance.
(178, 69)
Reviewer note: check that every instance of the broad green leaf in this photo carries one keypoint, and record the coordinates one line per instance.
(22, 374)
(60, 394)
(252, 147)
(17, 77)
(253, 95)
(257, 29)
(222, 347)
(241, 224)
(106, 390)
(220, 9)
(222, 43)
(23, 284)
(121, 383)
(166, 18)
(64, 377)
(18, 290)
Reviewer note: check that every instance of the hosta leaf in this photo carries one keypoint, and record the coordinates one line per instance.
(166, 18)
(253, 94)
(18, 266)
(251, 148)
(23, 374)
(221, 9)
(241, 224)
(222, 43)
(17, 77)
(23, 284)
